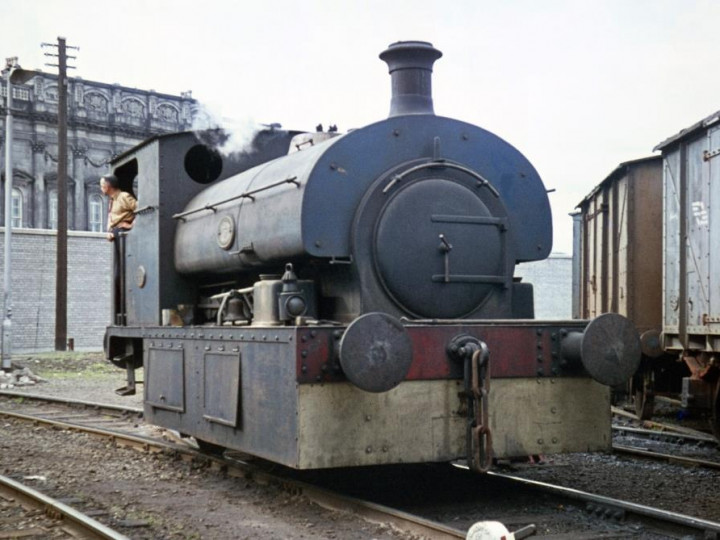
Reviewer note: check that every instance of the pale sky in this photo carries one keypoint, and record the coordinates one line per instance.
(577, 86)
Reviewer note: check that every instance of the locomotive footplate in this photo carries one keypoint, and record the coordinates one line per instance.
(281, 393)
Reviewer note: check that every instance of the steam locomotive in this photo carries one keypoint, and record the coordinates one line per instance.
(326, 300)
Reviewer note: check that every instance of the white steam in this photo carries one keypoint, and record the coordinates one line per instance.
(232, 136)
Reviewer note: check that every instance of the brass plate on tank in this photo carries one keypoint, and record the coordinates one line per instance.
(226, 232)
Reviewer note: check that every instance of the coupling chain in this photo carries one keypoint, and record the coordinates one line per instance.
(477, 390)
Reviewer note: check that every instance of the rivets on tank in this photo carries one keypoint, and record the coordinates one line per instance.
(540, 441)
(396, 132)
(384, 448)
(464, 137)
(368, 417)
(207, 347)
(303, 354)
(553, 410)
(313, 333)
(368, 450)
(333, 166)
(221, 348)
(337, 334)
(277, 338)
(554, 440)
(540, 372)
(303, 368)
(236, 349)
(303, 339)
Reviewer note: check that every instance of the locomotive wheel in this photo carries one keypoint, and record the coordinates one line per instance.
(210, 448)
(644, 394)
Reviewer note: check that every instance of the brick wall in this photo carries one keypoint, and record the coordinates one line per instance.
(33, 288)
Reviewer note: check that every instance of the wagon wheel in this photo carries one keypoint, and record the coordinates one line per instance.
(644, 393)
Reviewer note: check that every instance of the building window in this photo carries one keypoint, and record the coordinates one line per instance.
(17, 208)
(52, 210)
(22, 94)
(95, 214)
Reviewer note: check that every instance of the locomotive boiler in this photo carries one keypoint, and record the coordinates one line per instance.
(326, 300)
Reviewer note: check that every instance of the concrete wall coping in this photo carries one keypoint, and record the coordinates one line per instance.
(53, 232)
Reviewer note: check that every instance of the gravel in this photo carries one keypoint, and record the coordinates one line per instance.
(152, 496)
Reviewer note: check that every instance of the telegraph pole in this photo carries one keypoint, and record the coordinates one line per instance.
(61, 265)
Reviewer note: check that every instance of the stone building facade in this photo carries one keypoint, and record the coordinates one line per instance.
(104, 120)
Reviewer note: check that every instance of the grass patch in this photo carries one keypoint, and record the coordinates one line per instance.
(67, 364)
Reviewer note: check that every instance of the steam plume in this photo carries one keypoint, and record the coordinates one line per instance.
(228, 136)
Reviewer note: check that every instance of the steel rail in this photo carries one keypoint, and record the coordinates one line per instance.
(369, 511)
(680, 460)
(378, 513)
(145, 443)
(87, 526)
(649, 433)
(660, 426)
(69, 401)
(647, 514)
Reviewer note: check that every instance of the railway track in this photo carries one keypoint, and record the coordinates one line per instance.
(78, 415)
(420, 508)
(666, 443)
(27, 513)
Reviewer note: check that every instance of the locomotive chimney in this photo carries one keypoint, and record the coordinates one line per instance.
(410, 64)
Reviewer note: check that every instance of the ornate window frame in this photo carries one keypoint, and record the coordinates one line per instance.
(96, 213)
(17, 208)
(52, 209)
